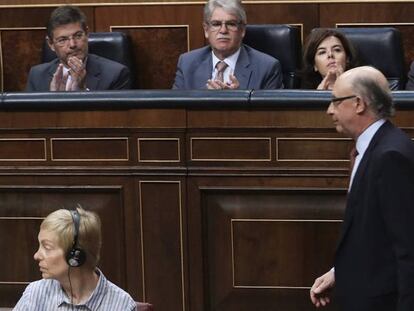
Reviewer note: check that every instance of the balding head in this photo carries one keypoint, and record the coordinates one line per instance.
(360, 97)
(372, 86)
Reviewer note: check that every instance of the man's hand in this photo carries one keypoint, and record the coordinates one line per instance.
(319, 293)
(59, 80)
(77, 72)
(328, 82)
(218, 85)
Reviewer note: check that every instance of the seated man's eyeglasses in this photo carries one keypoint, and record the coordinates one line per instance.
(338, 100)
(62, 41)
(230, 25)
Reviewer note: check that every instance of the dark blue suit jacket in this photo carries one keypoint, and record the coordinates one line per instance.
(254, 70)
(374, 264)
(101, 74)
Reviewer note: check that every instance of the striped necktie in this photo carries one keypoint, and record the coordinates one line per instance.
(221, 66)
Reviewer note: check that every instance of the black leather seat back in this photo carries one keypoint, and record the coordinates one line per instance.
(112, 45)
(382, 48)
(282, 42)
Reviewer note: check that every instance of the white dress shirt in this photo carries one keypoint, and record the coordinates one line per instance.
(362, 144)
(231, 65)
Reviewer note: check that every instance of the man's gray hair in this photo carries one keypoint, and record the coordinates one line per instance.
(230, 6)
(377, 95)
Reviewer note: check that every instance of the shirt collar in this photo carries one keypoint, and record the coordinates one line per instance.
(365, 138)
(61, 296)
(94, 301)
(230, 61)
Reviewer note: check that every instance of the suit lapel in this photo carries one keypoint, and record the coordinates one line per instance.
(50, 72)
(203, 71)
(93, 73)
(242, 71)
(357, 190)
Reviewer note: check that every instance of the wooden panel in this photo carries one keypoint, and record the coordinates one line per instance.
(159, 34)
(230, 149)
(21, 50)
(99, 119)
(270, 253)
(25, 17)
(260, 119)
(304, 15)
(332, 13)
(162, 238)
(267, 246)
(159, 150)
(11, 293)
(312, 149)
(20, 269)
(156, 70)
(22, 149)
(90, 149)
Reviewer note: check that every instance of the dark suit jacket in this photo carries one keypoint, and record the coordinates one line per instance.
(410, 82)
(374, 262)
(101, 74)
(254, 70)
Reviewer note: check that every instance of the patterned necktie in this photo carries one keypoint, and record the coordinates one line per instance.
(221, 66)
(352, 155)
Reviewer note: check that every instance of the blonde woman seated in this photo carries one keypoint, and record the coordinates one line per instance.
(327, 54)
(69, 250)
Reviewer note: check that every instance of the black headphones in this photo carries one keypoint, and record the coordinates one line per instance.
(76, 256)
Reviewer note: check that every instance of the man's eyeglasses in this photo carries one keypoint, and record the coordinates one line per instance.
(63, 41)
(338, 100)
(230, 25)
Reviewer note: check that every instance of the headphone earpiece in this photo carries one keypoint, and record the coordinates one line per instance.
(76, 256)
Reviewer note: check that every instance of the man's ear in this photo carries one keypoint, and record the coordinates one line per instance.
(361, 105)
(205, 27)
(243, 30)
(50, 43)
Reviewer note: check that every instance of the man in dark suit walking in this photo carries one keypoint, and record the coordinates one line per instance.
(374, 261)
(226, 63)
(74, 69)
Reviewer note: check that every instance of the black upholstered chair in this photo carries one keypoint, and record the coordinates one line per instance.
(382, 48)
(282, 42)
(112, 45)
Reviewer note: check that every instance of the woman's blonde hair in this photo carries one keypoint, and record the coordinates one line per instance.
(60, 222)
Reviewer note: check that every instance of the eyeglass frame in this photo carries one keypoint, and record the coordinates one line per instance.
(338, 100)
(64, 40)
(228, 24)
